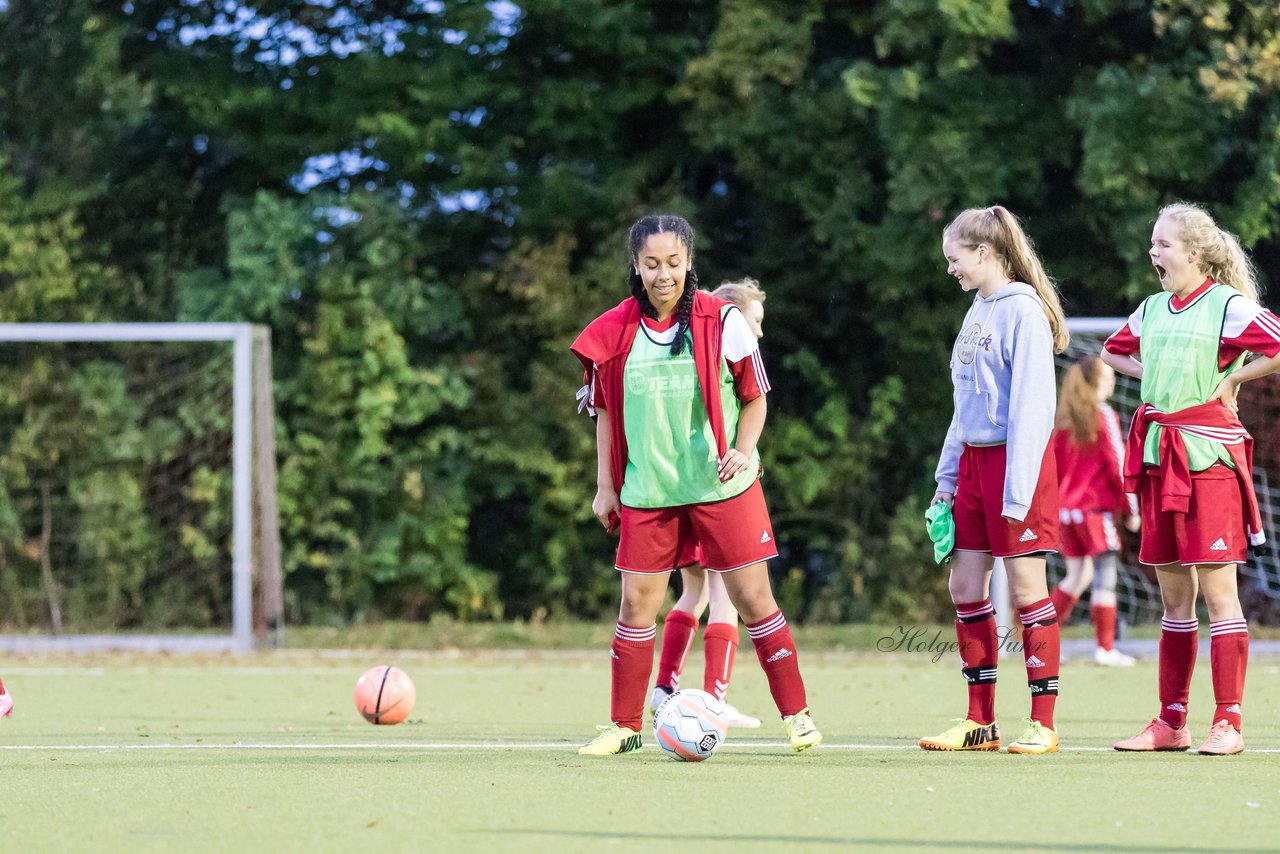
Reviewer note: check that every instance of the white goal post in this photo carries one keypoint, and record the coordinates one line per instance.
(254, 528)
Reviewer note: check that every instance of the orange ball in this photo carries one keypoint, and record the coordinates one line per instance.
(385, 695)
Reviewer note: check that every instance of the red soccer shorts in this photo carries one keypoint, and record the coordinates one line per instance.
(690, 555)
(732, 534)
(1088, 533)
(1212, 531)
(980, 526)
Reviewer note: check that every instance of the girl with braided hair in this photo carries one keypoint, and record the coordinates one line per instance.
(997, 472)
(1189, 459)
(675, 381)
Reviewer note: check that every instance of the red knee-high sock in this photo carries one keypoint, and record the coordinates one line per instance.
(777, 653)
(1179, 643)
(721, 643)
(1042, 651)
(677, 638)
(632, 658)
(1064, 602)
(1228, 658)
(979, 651)
(1104, 625)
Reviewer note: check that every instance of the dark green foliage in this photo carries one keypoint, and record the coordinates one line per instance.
(426, 201)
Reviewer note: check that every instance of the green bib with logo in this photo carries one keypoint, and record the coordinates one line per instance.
(1179, 352)
(671, 451)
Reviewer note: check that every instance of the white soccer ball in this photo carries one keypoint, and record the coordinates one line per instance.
(690, 725)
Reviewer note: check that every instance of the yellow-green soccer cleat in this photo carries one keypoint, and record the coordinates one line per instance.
(966, 735)
(801, 731)
(1036, 738)
(612, 739)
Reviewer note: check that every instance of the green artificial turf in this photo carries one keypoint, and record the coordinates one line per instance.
(487, 762)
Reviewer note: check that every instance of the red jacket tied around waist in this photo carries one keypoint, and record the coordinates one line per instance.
(1210, 420)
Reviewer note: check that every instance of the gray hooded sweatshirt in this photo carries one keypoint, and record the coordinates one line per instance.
(1002, 371)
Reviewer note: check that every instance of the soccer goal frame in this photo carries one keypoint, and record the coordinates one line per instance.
(253, 559)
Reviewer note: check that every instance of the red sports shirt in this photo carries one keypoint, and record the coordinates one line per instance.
(1090, 476)
(1246, 327)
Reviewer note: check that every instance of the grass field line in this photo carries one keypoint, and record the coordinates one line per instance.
(200, 670)
(467, 746)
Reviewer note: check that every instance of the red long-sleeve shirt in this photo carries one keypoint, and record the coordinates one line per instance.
(1090, 475)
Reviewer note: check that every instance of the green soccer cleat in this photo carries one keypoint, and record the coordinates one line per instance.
(966, 735)
(801, 731)
(1036, 738)
(613, 739)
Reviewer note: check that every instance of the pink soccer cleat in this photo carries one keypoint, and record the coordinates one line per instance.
(1224, 740)
(1157, 736)
(6, 704)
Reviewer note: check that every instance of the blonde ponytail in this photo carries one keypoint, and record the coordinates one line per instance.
(1000, 229)
(1233, 267)
(1222, 257)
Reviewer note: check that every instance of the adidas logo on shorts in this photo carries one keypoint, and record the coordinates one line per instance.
(779, 655)
(764, 536)
(1219, 545)
(1027, 536)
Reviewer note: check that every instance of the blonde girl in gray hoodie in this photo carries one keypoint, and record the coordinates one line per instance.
(997, 471)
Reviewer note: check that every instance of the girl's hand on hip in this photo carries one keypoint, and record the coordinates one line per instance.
(733, 463)
(1228, 392)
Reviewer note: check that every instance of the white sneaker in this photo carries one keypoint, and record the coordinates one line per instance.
(658, 697)
(6, 706)
(1112, 658)
(738, 719)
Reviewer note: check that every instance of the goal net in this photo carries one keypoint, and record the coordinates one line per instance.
(1136, 590)
(137, 487)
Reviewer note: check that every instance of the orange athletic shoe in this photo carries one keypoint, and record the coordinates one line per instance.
(1157, 736)
(6, 704)
(1224, 740)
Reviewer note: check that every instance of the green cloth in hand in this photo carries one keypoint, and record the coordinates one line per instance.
(942, 530)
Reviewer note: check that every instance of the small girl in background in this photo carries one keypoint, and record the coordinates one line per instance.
(720, 643)
(1090, 457)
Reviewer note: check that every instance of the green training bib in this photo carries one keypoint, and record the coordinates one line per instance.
(671, 452)
(1179, 352)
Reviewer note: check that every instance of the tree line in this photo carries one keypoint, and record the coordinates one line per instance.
(425, 201)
